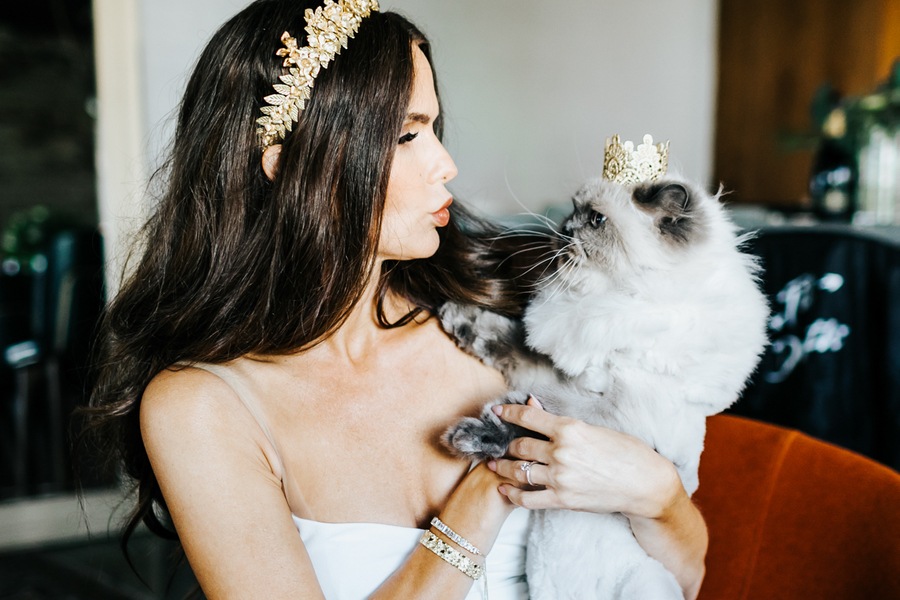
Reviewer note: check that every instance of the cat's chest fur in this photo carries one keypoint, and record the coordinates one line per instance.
(582, 328)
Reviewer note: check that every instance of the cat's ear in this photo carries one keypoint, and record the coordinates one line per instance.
(675, 220)
(671, 205)
(675, 196)
(670, 198)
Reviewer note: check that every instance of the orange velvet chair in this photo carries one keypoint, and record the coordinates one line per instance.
(795, 518)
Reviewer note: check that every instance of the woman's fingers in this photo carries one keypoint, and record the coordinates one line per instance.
(582, 467)
(530, 417)
(532, 500)
(523, 472)
(529, 448)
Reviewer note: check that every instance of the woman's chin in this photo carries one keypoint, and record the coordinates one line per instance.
(424, 247)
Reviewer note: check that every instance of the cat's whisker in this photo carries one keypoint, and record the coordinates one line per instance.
(556, 274)
(514, 233)
(555, 254)
(561, 286)
(562, 236)
(548, 257)
(546, 263)
(527, 249)
(550, 234)
(543, 219)
(524, 251)
(553, 282)
(565, 265)
(536, 245)
(528, 212)
(539, 241)
(535, 241)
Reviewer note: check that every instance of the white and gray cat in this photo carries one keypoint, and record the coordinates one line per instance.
(651, 320)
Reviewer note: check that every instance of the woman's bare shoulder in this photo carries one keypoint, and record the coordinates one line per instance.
(225, 498)
(184, 392)
(194, 407)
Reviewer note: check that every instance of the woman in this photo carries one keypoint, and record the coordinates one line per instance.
(272, 364)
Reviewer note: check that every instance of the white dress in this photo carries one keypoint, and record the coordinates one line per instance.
(352, 560)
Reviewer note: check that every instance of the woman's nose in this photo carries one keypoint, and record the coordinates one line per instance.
(445, 167)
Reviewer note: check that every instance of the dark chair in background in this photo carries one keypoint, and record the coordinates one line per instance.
(15, 326)
(833, 367)
(48, 364)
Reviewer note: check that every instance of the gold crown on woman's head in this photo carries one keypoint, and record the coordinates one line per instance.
(624, 164)
(329, 27)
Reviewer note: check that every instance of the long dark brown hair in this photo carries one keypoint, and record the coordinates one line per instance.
(234, 263)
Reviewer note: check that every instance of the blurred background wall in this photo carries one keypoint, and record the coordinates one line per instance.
(530, 89)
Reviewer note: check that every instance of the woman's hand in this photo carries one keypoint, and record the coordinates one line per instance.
(584, 467)
(591, 468)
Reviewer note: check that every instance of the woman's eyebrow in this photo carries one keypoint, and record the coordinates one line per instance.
(418, 118)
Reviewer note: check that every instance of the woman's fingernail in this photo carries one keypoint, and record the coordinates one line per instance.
(498, 410)
(536, 402)
(492, 465)
(502, 490)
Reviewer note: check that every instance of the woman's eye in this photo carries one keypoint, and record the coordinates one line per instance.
(408, 138)
(596, 219)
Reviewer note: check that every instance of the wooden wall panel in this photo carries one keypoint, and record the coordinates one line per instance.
(773, 55)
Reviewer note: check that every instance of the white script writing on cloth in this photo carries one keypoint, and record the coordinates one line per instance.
(822, 335)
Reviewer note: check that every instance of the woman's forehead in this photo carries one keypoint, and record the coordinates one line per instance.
(423, 100)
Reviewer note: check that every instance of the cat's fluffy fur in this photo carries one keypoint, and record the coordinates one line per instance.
(652, 320)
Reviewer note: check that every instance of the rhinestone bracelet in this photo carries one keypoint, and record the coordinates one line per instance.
(463, 542)
(451, 555)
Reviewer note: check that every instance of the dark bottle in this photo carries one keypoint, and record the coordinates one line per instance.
(832, 184)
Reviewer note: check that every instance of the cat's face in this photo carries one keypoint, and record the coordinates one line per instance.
(626, 228)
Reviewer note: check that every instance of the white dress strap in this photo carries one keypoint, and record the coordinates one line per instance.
(249, 401)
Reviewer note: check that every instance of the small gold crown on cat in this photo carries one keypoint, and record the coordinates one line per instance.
(623, 164)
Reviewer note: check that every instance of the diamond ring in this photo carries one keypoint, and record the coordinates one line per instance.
(526, 466)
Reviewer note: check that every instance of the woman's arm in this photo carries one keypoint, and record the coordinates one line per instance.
(595, 469)
(212, 463)
(215, 468)
(476, 511)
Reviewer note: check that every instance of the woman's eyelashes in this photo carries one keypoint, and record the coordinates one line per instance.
(407, 138)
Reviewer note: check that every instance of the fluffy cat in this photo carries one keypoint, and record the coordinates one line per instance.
(651, 321)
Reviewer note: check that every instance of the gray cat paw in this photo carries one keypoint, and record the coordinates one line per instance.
(487, 436)
(459, 321)
(484, 334)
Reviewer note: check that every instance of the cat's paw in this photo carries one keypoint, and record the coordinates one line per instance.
(476, 439)
(484, 334)
(459, 320)
(487, 436)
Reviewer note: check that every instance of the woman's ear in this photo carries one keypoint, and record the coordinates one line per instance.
(270, 158)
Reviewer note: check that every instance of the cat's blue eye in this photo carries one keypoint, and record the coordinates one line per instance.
(407, 138)
(596, 219)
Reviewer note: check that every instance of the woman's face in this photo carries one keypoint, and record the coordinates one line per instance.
(417, 199)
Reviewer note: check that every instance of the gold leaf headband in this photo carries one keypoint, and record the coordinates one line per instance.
(329, 27)
(625, 165)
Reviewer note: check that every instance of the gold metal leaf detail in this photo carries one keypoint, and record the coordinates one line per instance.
(328, 28)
